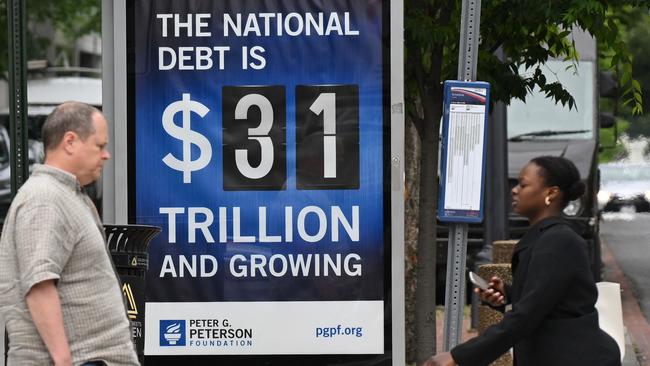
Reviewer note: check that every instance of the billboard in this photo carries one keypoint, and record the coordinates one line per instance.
(260, 142)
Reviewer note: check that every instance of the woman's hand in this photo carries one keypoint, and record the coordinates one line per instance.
(441, 359)
(495, 294)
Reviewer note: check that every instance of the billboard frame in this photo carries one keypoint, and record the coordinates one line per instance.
(116, 193)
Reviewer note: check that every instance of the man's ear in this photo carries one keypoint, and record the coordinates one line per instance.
(68, 142)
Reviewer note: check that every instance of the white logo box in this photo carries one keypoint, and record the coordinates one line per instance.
(289, 327)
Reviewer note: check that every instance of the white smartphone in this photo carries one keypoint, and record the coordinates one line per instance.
(479, 281)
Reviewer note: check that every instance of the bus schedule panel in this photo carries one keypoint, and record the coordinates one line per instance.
(464, 141)
(261, 134)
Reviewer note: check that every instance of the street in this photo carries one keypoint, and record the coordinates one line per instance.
(625, 233)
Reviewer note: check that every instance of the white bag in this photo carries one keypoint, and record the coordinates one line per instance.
(610, 312)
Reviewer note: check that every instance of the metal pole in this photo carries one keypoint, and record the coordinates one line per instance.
(108, 97)
(469, 37)
(495, 226)
(397, 186)
(496, 184)
(455, 291)
(457, 252)
(114, 105)
(18, 94)
(19, 156)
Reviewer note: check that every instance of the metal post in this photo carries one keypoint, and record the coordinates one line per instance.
(469, 37)
(397, 186)
(114, 104)
(457, 252)
(455, 291)
(17, 94)
(19, 156)
(495, 226)
(108, 98)
(496, 184)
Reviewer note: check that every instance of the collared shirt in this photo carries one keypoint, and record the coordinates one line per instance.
(52, 232)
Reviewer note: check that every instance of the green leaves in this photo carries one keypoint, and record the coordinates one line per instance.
(633, 97)
(70, 19)
(529, 32)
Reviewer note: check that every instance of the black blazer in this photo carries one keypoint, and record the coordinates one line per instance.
(553, 321)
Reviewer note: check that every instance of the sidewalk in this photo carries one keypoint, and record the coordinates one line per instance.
(467, 334)
(637, 327)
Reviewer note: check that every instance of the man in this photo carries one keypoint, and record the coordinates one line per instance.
(59, 292)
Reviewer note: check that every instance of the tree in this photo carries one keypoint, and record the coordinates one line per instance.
(70, 18)
(529, 32)
(635, 26)
(637, 36)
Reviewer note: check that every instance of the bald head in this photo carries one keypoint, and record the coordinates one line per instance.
(75, 136)
(74, 117)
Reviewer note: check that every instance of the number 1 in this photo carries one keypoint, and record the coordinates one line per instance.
(327, 136)
(326, 104)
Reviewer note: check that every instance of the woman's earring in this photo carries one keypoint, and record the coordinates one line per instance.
(547, 201)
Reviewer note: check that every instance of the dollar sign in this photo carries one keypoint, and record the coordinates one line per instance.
(186, 106)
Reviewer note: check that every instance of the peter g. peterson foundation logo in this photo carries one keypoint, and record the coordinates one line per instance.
(172, 333)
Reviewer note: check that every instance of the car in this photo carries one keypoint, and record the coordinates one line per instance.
(44, 93)
(624, 184)
(35, 155)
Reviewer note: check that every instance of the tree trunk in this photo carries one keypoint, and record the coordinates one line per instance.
(411, 214)
(426, 267)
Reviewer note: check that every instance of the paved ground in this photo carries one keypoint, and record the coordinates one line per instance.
(627, 261)
(627, 235)
(635, 322)
(467, 332)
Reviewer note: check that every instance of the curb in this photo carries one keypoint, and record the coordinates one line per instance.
(637, 328)
(630, 353)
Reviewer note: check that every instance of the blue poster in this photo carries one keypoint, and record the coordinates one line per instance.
(259, 137)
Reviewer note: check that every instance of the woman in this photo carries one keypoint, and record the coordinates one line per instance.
(553, 321)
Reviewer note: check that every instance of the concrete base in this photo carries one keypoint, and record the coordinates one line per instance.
(502, 250)
(488, 316)
(502, 271)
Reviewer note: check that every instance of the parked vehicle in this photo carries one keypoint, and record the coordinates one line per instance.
(43, 95)
(624, 184)
(541, 127)
(35, 151)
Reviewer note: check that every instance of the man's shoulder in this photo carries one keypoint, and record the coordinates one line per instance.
(38, 191)
(41, 186)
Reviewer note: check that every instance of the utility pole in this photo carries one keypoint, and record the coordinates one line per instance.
(457, 252)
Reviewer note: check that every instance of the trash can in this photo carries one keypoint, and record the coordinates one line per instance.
(128, 247)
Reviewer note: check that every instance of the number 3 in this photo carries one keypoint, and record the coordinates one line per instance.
(259, 133)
